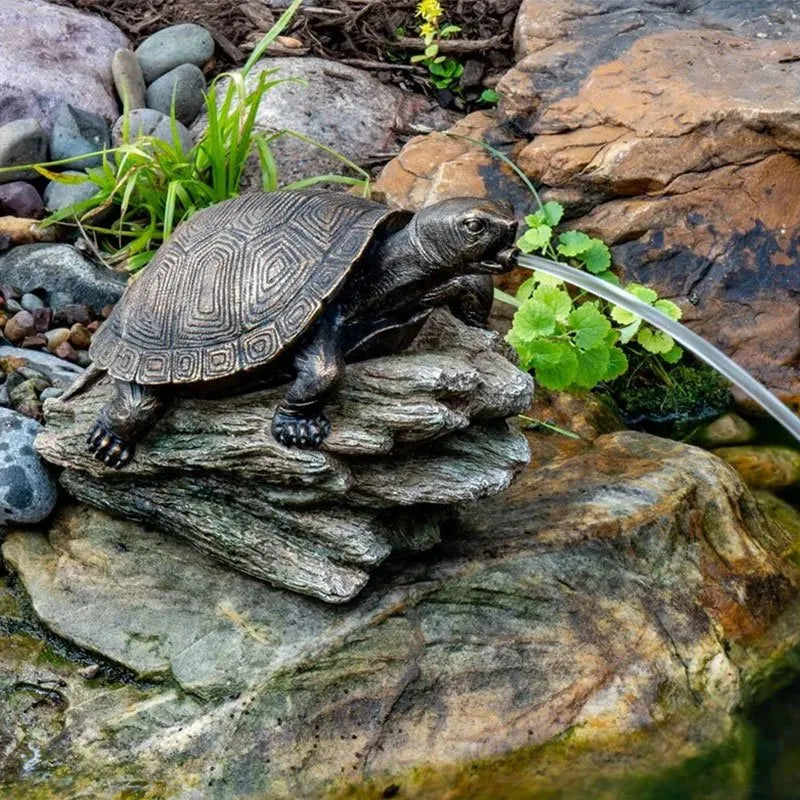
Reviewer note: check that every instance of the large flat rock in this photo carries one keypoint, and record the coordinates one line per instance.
(414, 434)
(604, 618)
(50, 55)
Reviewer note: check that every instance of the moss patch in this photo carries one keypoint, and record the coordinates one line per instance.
(653, 765)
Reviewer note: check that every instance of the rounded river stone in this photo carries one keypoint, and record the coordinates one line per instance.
(173, 46)
(27, 491)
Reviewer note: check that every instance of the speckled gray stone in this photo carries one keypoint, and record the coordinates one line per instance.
(27, 492)
(51, 54)
(21, 142)
(149, 122)
(63, 273)
(77, 133)
(173, 46)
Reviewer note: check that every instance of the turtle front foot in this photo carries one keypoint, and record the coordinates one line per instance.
(304, 432)
(108, 448)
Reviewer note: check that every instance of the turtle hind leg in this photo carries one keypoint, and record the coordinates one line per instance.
(128, 416)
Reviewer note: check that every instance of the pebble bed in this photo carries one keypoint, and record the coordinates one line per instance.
(64, 328)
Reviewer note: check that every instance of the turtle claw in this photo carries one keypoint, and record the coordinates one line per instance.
(306, 433)
(108, 448)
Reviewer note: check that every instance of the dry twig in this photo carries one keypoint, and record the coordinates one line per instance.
(25, 231)
(452, 45)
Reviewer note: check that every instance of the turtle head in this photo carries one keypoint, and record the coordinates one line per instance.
(464, 235)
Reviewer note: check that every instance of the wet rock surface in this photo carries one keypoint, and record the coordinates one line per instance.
(630, 595)
(670, 131)
(413, 435)
(764, 466)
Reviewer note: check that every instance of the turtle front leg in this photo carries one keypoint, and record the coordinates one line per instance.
(299, 420)
(467, 297)
(128, 416)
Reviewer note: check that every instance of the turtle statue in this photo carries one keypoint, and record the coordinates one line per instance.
(287, 286)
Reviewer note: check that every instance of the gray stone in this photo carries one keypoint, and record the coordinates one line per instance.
(51, 54)
(413, 435)
(603, 621)
(173, 46)
(58, 195)
(730, 428)
(30, 302)
(20, 199)
(21, 142)
(27, 492)
(185, 84)
(149, 122)
(63, 273)
(77, 132)
(59, 372)
(51, 392)
(362, 116)
(61, 298)
(128, 79)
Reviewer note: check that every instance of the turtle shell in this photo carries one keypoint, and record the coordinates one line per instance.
(235, 286)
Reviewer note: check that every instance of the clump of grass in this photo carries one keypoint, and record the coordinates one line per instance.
(148, 186)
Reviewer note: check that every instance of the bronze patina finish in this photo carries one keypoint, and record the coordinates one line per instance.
(287, 285)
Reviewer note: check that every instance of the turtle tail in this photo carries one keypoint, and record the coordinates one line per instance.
(85, 380)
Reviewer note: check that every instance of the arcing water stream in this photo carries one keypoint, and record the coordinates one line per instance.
(691, 341)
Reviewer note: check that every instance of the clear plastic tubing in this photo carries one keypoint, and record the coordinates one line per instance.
(691, 341)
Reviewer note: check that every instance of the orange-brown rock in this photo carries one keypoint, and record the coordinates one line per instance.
(674, 135)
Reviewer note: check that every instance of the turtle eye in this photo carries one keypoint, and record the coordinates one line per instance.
(474, 225)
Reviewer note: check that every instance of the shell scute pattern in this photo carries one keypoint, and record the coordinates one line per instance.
(235, 286)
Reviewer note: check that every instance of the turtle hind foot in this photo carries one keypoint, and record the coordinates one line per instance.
(306, 433)
(107, 447)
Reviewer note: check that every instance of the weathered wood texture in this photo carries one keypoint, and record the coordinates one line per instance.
(403, 450)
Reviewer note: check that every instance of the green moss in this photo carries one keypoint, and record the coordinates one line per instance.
(694, 394)
(9, 607)
(55, 659)
(652, 765)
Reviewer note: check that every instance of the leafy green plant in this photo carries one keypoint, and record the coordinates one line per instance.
(567, 339)
(147, 186)
(444, 71)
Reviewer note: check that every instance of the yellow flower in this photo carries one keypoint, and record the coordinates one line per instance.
(426, 30)
(429, 10)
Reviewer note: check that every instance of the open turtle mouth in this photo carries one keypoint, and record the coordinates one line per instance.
(503, 261)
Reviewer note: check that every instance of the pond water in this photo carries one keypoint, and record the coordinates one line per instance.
(776, 727)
